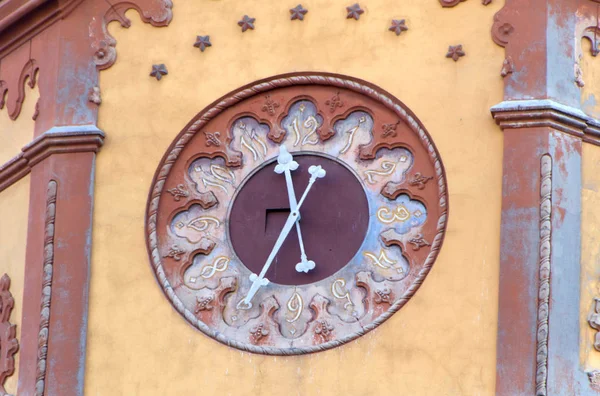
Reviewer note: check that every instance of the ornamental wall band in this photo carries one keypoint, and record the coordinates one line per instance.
(371, 229)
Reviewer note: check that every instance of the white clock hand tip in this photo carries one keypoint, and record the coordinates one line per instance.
(285, 161)
(305, 266)
(317, 172)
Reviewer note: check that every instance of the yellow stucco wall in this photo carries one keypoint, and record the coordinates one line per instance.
(14, 205)
(590, 74)
(16, 134)
(590, 251)
(444, 340)
(590, 218)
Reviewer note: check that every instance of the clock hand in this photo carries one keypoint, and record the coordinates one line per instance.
(259, 280)
(286, 164)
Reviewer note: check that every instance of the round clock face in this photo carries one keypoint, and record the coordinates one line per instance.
(296, 213)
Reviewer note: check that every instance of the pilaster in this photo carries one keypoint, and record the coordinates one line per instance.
(544, 130)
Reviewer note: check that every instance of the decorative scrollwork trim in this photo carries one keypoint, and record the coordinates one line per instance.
(40, 379)
(157, 13)
(9, 345)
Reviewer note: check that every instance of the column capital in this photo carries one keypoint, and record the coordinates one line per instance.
(536, 113)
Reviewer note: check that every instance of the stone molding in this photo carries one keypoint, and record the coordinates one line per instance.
(57, 140)
(516, 114)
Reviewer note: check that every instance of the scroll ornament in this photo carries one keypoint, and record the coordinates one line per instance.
(8, 341)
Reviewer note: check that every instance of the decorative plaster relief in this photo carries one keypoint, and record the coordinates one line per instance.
(398, 26)
(43, 335)
(246, 23)
(202, 42)
(578, 75)
(594, 377)
(592, 33)
(450, 3)
(158, 71)
(544, 275)
(354, 11)
(8, 333)
(501, 30)
(594, 322)
(29, 75)
(157, 13)
(298, 12)
(508, 66)
(94, 96)
(455, 52)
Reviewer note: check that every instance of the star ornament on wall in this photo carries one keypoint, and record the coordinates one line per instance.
(202, 42)
(247, 23)
(455, 52)
(298, 12)
(398, 26)
(158, 71)
(354, 11)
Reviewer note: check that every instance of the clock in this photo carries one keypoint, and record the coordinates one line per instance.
(296, 213)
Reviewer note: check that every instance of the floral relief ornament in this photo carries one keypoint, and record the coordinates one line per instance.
(390, 129)
(354, 11)
(323, 328)
(270, 105)
(158, 71)
(418, 242)
(246, 23)
(175, 253)
(212, 138)
(298, 12)
(202, 42)
(179, 192)
(419, 180)
(398, 26)
(334, 102)
(455, 52)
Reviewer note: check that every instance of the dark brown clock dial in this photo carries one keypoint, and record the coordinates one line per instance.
(334, 220)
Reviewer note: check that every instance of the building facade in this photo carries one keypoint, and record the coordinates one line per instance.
(470, 127)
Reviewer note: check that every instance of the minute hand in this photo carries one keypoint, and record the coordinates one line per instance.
(260, 280)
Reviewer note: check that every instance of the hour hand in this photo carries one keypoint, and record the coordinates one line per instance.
(305, 265)
(286, 164)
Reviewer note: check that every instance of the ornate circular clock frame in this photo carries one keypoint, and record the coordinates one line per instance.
(373, 225)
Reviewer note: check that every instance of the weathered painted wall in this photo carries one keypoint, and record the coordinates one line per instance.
(590, 252)
(444, 340)
(590, 75)
(14, 209)
(590, 218)
(16, 134)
